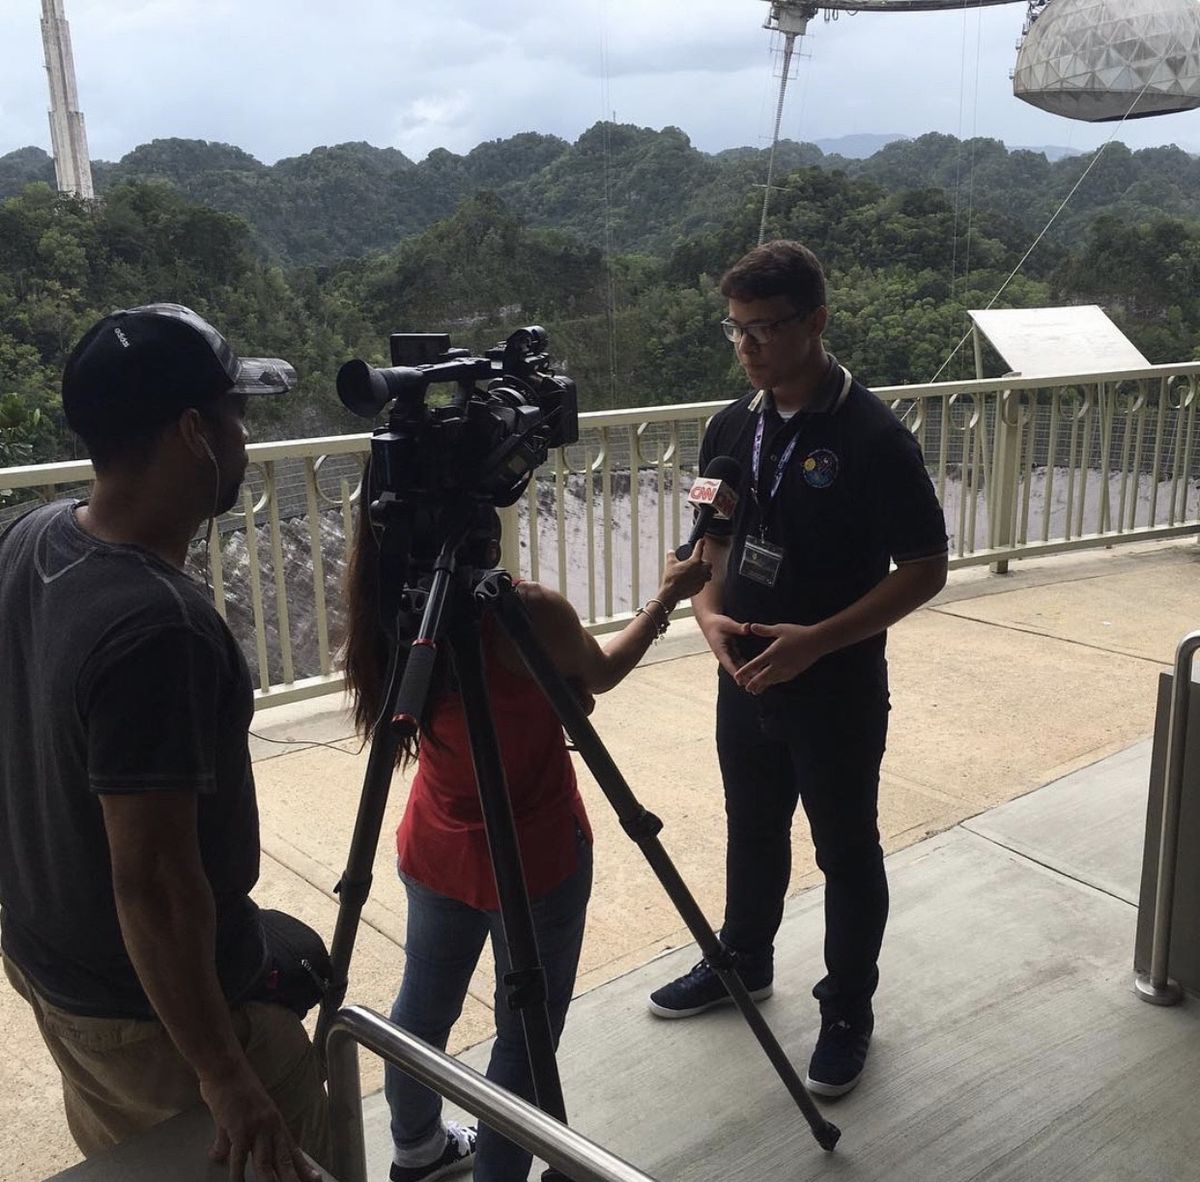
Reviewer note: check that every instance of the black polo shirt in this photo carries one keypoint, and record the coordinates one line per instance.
(854, 497)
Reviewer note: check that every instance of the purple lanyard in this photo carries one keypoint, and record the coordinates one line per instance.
(780, 468)
(756, 456)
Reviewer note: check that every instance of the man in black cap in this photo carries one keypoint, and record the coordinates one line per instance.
(128, 822)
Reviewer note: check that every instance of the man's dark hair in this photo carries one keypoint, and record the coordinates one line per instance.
(131, 447)
(779, 268)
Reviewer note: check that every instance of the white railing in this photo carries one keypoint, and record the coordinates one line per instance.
(1022, 467)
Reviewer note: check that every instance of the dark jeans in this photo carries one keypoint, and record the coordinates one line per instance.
(825, 752)
(445, 941)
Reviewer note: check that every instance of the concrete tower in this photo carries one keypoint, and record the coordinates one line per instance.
(72, 165)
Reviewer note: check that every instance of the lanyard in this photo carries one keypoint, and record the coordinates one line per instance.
(781, 467)
(756, 455)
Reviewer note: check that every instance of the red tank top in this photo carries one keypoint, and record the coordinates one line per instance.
(441, 840)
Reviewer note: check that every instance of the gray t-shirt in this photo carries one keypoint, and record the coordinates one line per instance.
(116, 675)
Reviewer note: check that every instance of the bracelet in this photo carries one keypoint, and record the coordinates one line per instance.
(659, 628)
(666, 611)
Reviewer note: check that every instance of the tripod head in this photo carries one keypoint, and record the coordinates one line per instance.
(459, 578)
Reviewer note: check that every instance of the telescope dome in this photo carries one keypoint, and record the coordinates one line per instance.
(1096, 59)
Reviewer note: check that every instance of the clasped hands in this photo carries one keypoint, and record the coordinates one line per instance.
(793, 649)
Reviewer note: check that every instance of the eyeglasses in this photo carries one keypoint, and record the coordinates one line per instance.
(760, 332)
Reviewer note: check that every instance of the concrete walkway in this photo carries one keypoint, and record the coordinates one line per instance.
(1002, 685)
(1009, 1044)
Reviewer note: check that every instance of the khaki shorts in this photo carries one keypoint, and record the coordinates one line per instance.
(121, 1076)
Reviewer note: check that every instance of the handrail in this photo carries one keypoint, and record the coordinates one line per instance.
(1123, 445)
(566, 1150)
(33, 475)
(1156, 987)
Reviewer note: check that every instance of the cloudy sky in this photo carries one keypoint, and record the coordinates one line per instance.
(278, 77)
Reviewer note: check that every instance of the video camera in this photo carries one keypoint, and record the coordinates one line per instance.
(509, 410)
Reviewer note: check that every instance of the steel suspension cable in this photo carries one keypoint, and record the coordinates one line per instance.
(1046, 228)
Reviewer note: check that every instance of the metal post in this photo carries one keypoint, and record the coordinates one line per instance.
(1006, 472)
(345, 1103)
(1155, 986)
(510, 538)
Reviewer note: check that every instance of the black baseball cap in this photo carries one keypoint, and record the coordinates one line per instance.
(145, 366)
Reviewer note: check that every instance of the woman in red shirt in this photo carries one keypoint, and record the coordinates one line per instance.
(442, 849)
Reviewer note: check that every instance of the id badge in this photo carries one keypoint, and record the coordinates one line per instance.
(761, 562)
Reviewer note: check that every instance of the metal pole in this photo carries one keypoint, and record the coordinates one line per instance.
(512, 1117)
(788, 46)
(340, 1052)
(1156, 987)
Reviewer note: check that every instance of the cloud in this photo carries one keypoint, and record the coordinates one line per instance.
(278, 77)
(428, 123)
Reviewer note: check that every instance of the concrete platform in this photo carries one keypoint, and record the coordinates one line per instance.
(1087, 826)
(1002, 685)
(1009, 1044)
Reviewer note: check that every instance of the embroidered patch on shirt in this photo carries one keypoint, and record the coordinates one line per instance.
(820, 468)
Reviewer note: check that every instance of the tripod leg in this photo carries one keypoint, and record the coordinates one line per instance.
(408, 683)
(355, 883)
(643, 827)
(526, 983)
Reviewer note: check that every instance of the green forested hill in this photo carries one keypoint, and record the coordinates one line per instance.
(636, 188)
(633, 188)
(614, 243)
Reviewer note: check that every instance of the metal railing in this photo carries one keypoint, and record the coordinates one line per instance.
(1156, 986)
(518, 1120)
(1022, 467)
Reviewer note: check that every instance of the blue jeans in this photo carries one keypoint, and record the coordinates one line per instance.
(445, 941)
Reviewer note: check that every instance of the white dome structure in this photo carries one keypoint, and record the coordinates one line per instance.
(1100, 60)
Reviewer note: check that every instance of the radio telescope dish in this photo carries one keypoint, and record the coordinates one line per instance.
(1102, 60)
(888, 5)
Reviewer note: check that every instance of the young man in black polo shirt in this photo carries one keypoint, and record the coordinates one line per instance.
(129, 839)
(835, 491)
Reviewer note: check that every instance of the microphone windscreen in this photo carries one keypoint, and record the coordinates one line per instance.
(724, 468)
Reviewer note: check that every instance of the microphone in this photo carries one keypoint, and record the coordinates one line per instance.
(714, 495)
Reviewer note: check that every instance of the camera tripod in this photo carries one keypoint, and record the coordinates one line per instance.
(454, 607)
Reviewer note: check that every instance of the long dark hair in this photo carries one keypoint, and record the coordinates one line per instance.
(365, 654)
(367, 648)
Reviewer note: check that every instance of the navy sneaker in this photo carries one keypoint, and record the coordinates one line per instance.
(458, 1155)
(840, 1055)
(701, 989)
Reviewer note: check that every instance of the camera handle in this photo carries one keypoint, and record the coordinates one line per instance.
(643, 827)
